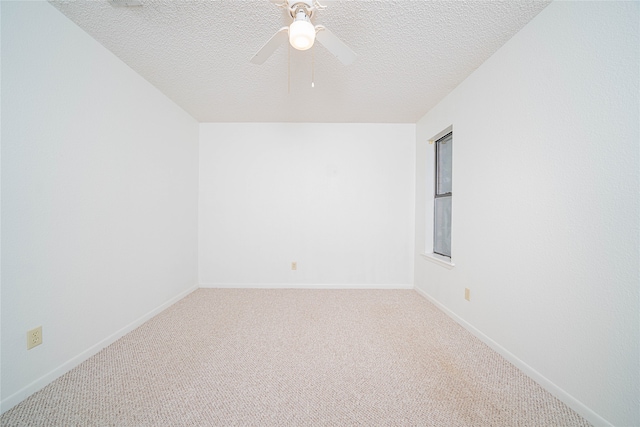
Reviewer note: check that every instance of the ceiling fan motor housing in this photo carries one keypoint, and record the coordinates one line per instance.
(297, 6)
(308, 3)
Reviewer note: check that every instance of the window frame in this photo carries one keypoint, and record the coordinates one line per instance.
(437, 195)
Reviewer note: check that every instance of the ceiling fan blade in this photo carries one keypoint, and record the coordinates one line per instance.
(335, 45)
(269, 47)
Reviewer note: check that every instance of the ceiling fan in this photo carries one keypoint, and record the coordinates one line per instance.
(302, 33)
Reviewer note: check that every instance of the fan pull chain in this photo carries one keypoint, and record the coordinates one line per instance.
(289, 68)
(313, 66)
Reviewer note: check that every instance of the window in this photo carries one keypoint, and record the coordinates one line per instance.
(443, 195)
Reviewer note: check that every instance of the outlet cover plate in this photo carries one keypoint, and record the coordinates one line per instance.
(34, 337)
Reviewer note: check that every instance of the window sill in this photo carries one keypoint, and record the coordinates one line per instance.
(440, 260)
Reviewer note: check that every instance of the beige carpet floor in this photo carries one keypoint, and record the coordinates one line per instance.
(292, 357)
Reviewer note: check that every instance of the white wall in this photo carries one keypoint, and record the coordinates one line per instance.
(99, 197)
(336, 198)
(546, 205)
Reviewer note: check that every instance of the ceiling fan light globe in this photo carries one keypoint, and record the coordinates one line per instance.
(302, 34)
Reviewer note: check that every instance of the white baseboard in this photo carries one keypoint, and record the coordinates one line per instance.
(303, 286)
(547, 384)
(46, 379)
(558, 392)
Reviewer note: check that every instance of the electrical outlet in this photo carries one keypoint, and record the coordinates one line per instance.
(467, 294)
(34, 337)
(294, 265)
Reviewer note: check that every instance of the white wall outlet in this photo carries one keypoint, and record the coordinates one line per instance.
(294, 265)
(467, 294)
(34, 337)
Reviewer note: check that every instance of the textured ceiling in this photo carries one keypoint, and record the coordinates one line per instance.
(410, 54)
